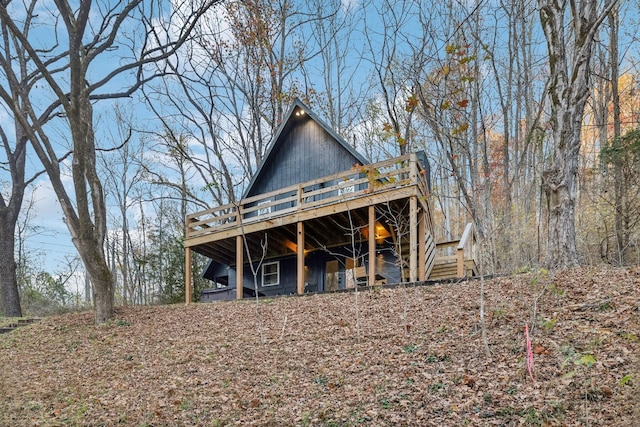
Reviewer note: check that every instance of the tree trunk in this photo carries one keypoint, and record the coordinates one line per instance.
(619, 184)
(9, 296)
(102, 285)
(11, 201)
(90, 226)
(570, 50)
(559, 182)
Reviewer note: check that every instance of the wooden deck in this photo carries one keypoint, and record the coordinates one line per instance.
(362, 186)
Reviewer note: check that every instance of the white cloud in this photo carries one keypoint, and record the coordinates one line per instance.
(348, 6)
(46, 211)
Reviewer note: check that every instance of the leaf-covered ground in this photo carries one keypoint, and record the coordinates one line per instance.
(382, 357)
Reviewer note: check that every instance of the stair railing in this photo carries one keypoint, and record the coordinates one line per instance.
(466, 249)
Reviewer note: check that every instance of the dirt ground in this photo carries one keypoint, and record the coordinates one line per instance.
(415, 356)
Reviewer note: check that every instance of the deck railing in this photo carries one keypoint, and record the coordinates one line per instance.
(357, 182)
(465, 251)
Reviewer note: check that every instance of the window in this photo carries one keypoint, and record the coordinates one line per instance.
(271, 274)
(266, 210)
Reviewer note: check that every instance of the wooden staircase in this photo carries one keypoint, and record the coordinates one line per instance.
(460, 259)
(443, 270)
(16, 324)
(457, 259)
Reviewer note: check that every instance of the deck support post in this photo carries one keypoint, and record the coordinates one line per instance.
(239, 269)
(372, 245)
(300, 257)
(413, 241)
(187, 275)
(422, 244)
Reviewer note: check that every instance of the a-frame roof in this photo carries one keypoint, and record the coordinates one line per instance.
(300, 115)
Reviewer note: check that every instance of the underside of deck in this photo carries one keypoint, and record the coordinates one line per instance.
(339, 224)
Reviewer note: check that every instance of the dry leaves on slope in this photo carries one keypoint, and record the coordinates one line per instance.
(326, 361)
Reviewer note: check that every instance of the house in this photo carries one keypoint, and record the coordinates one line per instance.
(316, 217)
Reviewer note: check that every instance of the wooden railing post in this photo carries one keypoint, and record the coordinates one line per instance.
(187, 275)
(371, 180)
(239, 218)
(460, 262)
(413, 168)
(464, 249)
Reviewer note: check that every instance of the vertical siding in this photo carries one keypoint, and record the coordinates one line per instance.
(315, 263)
(305, 152)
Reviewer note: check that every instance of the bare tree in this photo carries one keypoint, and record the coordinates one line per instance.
(225, 99)
(341, 96)
(122, 174)
(570, 49)
(385, 38)
(9, 212)
(77, 70)
(447, 104)
(621, 229)
(15, 90)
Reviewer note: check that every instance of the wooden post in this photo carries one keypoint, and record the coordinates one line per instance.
(187, 275)
(299, 199)
(300, 257)
(372, 245)
(239, 268)
(460, 263)
(413, 241)
(422, 243)
(413, 168)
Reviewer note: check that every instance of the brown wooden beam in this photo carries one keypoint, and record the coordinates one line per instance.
(300, 258)
(372, 245)
(216, 253)
(239, 269)
(460, 263)
(187, 276)
(413, 241)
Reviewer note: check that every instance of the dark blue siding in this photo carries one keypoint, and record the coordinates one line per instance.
(386, 266)
(306, 152)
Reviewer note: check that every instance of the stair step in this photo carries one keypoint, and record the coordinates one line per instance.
(14, 325)
(443, 273)
(449, 270)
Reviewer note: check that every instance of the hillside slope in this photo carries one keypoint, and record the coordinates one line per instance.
(411, 356)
